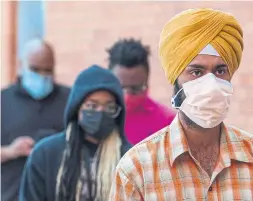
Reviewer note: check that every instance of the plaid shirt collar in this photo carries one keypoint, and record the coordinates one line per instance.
(232, 146)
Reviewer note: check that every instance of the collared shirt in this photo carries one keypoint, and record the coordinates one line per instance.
(146, 120)
(161, 169)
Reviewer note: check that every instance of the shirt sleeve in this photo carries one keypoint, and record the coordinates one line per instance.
(33, 179)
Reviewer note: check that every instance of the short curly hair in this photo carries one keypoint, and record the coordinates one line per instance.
(129, 53)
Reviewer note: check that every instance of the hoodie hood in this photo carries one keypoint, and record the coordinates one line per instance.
(90, 80)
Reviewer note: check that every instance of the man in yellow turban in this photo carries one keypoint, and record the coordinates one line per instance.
(197, 157)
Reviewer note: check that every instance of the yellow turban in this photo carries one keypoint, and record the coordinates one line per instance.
(185, 35)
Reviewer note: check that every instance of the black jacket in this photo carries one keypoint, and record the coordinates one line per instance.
(24, 116)
(39, 179)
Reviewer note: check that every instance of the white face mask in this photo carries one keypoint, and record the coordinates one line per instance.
(207, 100)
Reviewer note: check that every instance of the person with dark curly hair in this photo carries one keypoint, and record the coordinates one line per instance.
(128, 59)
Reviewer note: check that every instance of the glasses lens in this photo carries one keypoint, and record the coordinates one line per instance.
(91, 106)
(113, 110)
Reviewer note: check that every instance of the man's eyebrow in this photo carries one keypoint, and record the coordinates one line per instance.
(221, 65)
(40, 68)
(203, 67)
(196, 66)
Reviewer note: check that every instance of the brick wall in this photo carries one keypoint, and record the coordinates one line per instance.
(8, 42)
(81, 31)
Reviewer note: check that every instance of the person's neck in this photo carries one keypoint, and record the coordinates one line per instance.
(198, 137)
(91, 140)
(92, 145)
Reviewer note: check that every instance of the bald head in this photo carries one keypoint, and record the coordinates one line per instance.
(38, 55)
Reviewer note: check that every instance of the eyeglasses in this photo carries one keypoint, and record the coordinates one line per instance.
(135, 89)
(111, 109)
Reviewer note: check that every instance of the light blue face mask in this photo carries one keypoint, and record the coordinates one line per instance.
(38, 86)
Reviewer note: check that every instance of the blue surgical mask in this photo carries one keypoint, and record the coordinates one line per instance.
(38, 86)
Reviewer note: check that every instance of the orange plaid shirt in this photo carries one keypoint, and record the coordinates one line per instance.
(161, 168)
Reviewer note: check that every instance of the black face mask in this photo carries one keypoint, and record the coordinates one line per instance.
(98, 125)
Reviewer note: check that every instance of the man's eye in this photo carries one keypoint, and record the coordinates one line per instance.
(221, 72)
(196, 73)
(36, 70)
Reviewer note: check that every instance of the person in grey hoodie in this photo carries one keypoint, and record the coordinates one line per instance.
(78, 164)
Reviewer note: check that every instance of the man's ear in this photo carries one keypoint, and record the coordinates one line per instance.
(147, 84)
(176, 87)
(21, 65)
(18, 68)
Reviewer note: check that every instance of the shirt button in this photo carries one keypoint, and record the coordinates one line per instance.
(210, 189)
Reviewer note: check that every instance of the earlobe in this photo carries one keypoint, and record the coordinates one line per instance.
(19, 67)
(19, 63)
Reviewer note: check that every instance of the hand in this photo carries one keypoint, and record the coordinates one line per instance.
(21, 146)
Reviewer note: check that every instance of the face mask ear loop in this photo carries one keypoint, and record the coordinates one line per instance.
(173, 103)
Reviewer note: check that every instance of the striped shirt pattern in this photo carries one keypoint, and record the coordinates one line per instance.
(161, 168)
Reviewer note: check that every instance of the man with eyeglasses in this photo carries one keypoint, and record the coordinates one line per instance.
(32, 109)
(128, 59)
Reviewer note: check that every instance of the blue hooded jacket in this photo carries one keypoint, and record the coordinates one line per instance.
(39, 176)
